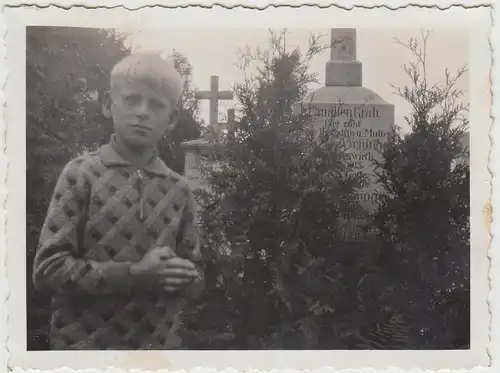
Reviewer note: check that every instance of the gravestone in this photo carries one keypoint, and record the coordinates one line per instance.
(194, 164)
(196, 151)
(360, 118)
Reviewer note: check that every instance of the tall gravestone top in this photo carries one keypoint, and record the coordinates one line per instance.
(343, 69)
(343, 43)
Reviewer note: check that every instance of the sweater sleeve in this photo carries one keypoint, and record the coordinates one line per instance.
(59, 267)
(189, 245)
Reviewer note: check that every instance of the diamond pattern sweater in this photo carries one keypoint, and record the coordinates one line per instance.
(104, 215)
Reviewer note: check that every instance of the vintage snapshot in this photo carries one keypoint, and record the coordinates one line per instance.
(225, 188)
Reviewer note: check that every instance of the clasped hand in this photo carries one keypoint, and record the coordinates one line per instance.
(162, 267)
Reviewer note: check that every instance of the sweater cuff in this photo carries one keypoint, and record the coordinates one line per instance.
(118, 277)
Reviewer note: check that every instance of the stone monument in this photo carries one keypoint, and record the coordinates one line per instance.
(214, 95)
(360, 118)
(195, 150)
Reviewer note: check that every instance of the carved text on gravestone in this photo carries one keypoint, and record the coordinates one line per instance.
(362, 129)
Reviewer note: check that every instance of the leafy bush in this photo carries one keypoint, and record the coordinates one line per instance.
(277, 268)
(278, 276)
(424, 215)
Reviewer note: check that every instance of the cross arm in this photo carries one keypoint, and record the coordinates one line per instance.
(207, 95)
(225, 95)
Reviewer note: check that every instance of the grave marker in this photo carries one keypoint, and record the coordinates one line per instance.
(214, 95)
(361, 119)
(195, 150)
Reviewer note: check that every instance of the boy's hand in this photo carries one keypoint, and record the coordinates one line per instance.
(152, 263)
(178, 273)
(161, 266)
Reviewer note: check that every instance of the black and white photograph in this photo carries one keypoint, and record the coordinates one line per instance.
(255, 188)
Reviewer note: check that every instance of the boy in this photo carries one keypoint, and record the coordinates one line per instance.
(119, 244)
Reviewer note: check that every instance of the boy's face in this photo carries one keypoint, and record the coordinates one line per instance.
(141, 112)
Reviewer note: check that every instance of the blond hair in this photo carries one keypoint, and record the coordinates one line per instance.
(151, 68)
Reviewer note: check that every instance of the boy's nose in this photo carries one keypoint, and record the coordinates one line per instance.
(143, 110)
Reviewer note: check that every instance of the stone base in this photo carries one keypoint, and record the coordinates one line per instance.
(335, 95)
(347, 73)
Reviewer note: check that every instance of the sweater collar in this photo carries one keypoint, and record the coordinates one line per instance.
(111, 158)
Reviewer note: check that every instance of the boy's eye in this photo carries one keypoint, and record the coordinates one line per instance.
(133, 99)
(157, 105)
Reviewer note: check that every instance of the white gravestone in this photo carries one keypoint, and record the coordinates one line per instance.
(360, 119)
(196, 163)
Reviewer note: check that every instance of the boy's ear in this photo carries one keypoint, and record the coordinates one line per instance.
(106, 105)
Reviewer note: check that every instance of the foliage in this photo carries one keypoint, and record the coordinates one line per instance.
(277, 269)
(278, 277)
(424, 215)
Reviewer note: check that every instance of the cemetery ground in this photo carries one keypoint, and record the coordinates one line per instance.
(304, 247)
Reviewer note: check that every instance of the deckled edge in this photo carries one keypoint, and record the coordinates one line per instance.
(252, 4)
(493, 298)
(4, 288)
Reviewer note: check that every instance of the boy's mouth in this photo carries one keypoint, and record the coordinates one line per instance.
(141, 127)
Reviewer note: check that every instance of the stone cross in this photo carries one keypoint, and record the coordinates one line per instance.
(214, 95)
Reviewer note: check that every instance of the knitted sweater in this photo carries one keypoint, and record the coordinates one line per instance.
(104, 215)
